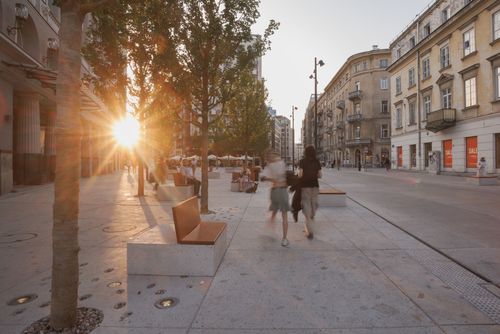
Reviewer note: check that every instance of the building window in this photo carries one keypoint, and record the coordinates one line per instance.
(398, 53)
(384, 131)
(384, 63)
(411, 77)
(496, 25)
(385, 107)
(446, 98)
(427, 29)
(427, 105)
(384, 83)
(469, 42)
(399, 120)
(398, 85)
(357, 108)
(445, 14)
(444, 56)
(497, 82)
(412, 42)
(357, 86)
(411, 113)
(357, 132)
(426, 68)
(470, 92)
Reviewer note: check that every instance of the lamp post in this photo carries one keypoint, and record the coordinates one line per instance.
(293, 137)
(315, 77)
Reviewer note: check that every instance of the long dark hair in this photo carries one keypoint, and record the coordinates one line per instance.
(310, 153)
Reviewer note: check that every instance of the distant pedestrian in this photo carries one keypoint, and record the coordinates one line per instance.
(275, 172)
(309, 172)
(481, 167)
(338, 164)
(387, 163)
(193, 166)
(187, 171)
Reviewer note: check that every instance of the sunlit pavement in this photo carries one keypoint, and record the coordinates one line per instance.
(360, 274)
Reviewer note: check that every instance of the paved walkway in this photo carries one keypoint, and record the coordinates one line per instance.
(359, 275)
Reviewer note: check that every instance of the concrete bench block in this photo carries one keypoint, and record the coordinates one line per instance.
(483, 180)
(174, 193)
(213, 175)
(156, 252)
(235, 186)
(331, 199)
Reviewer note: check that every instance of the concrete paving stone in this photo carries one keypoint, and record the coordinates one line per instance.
(11, 329)
(365, 237)
(141, 330)
(189, 292)
(267, 236)
(20, 264)
(472, 329)
(439, 301)
(386, 330)
(304, 289)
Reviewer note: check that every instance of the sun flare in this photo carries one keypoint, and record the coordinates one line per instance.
(127, 131)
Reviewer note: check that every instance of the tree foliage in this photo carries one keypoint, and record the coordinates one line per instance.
(246, 124)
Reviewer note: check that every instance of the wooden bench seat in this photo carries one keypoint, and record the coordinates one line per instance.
(189, 228)
(331, 197)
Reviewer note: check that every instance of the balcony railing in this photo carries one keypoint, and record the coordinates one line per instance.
(356, 95)
(358, 141)
(441, 119)
(340, 104)
(354, 118)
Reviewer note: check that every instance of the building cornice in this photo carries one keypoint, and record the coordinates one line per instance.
(457, 18)
(351, 60)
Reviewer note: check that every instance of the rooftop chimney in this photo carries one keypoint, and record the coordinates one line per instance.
(375, 47)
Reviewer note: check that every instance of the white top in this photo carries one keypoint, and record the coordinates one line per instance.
(187, 171)
(276, 171)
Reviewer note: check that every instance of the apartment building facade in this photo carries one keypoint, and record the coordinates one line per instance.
(353, 112)
(445, 88)
(28, 71)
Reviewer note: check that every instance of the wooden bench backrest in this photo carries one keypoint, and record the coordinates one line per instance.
(186, 217)
(180, 179)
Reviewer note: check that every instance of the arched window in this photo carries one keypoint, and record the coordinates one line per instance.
(28, 39)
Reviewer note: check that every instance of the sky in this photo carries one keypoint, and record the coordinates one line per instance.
(331, 30)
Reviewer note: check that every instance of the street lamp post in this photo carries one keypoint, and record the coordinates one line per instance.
(293, 137)
(315, 77)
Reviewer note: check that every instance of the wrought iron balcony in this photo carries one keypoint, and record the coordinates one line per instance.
(354, 118)
(441, 119)
(340, 104)
(358, 141)
(355, 95)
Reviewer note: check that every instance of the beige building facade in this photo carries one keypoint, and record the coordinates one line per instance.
(353, 112)
(445, 88)
(28, 71)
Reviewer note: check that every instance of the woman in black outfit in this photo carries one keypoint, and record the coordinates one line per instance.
(309, 172)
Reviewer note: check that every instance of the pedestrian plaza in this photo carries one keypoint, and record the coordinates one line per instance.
(359, 274)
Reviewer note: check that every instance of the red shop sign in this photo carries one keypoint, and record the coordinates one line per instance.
(448, 154)
(471, 151)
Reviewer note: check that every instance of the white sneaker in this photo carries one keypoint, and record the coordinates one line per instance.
(284, 242)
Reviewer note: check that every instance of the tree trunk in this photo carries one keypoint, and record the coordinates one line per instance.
(66, 200)
(204, 163)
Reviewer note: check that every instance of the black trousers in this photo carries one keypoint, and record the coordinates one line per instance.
(196, 183)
